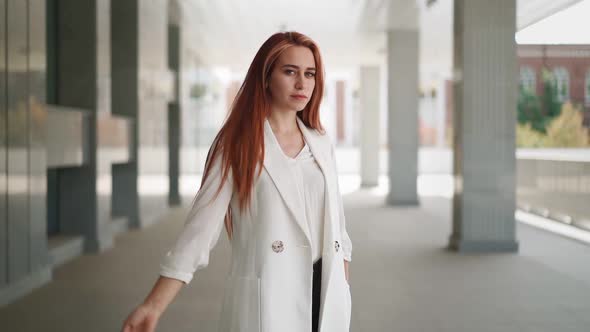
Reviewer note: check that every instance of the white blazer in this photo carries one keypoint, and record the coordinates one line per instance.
(269, 287)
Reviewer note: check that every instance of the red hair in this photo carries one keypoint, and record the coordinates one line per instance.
(240, 141)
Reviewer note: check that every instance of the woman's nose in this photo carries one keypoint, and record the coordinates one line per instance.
(299, 82)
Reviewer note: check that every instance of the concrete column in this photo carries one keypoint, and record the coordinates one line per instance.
(24, 263)
(174, 115)
(83, 66)
(402, 72)
(484, 118)
(141, 90)
(125, 102)
(440, 114)
(369, 100)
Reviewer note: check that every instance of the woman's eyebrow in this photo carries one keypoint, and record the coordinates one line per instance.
(297, 67)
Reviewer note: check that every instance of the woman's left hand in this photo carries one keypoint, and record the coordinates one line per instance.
(346, 269)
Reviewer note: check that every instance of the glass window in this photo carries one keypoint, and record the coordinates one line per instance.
(528, 78)
(562, 82)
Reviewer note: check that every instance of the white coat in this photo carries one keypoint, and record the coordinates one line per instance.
(269, 287)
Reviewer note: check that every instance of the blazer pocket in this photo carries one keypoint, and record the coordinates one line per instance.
(241, 305)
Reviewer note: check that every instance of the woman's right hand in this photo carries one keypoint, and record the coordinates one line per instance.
(143, 319)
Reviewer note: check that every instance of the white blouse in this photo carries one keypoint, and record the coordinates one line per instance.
(311, 188)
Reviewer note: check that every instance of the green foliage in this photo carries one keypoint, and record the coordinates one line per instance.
(527, 137)
(549, 100)
(198, 90)
(565, 130)
(530, 110)
(538, 111)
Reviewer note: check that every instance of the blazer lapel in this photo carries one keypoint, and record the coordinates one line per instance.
(279, 171)
(277, 167)
(321, 152)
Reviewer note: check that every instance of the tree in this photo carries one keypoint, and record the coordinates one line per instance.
(530, 110)
(527, 137)
(551, 106)
(538, 111)
(564, 131)
(567, 129)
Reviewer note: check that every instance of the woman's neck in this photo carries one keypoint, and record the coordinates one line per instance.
(284, 123)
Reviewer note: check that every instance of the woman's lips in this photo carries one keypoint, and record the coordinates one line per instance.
(299, 97)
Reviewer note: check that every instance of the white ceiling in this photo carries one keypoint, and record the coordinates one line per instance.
(229, 32)
(532, 11)
(569, 26)
(349, 32)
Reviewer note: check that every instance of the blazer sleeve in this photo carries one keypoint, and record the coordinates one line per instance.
(202, 227)
(346, 242)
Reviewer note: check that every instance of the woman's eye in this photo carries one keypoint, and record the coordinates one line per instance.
(289, 71)
(309, 74)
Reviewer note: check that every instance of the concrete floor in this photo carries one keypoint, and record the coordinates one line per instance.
(402, 279)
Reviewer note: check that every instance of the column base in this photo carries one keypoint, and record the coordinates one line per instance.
(402, 201)
(97, 246)
(466, 246)
(369, 184)
(39, 277)
(174, 200)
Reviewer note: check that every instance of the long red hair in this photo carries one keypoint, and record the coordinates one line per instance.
(240, 141)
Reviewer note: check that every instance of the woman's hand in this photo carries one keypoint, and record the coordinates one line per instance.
(143, 319)
(346, 269)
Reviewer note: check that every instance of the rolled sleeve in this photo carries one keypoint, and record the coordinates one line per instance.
(185, 277)
(202, 227)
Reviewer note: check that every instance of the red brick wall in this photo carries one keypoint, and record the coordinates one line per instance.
(574, 58)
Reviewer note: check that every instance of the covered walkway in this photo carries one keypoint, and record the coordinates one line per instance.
(402, 279)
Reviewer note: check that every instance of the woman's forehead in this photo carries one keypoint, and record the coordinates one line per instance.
(299, 56)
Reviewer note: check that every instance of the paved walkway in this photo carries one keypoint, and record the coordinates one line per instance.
(402, 279)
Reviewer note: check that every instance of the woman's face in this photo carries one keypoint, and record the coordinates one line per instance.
(292, 80)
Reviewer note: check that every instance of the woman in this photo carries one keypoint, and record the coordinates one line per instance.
(271, 176)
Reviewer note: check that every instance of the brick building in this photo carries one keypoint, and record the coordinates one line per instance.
(570, 65)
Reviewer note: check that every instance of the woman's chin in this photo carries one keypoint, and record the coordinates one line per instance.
(293, 107)
(298, 106)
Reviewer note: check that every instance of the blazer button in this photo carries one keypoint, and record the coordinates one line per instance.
(278, 246)
(336, 245)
